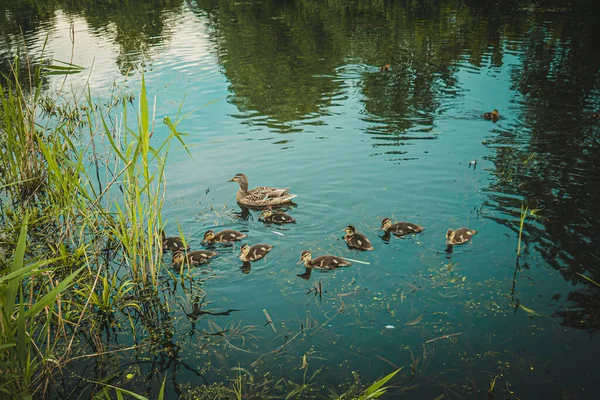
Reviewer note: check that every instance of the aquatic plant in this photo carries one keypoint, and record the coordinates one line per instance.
(525, 212)
(93, 228)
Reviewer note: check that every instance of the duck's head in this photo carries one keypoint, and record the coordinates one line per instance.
(495, 113)
(239, 178)
(208, 235)
(386, 224)
(177, 257)
(449, 234)
(304, 257)
(244, 249)
(266, 213)
(350, 230)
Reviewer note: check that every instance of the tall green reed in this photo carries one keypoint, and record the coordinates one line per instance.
(74, 216)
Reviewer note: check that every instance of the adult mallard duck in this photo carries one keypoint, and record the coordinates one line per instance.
(458, 237)
(250, 254)
(194, 258)
(492, 116)
(261, 196)
(400, 228)
(275, 217)
(326, 262)
(172, 243)
(356, 240)
(223, 236)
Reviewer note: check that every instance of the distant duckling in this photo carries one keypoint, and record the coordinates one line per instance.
(400, 228)
(194, 258)
(250, 254)
(223, 236)
(270, 217)
(458, 237)
(172, 243)
(384, 68)
(596, 116)
(326, 261)
(356, 240)
(492, 116)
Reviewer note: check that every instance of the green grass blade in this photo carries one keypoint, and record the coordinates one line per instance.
(19, 255)
(588, 279)
(50, 297)
(374, 390)
(161, 394)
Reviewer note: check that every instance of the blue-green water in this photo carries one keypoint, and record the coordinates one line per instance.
(291, 95)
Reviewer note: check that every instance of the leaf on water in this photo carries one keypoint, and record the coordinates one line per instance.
(415, 321)
(530, 311)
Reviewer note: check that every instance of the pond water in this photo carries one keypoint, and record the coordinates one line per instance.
(291, 94)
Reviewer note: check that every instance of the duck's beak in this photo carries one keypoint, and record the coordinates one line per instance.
(230, 180)
(300, 262)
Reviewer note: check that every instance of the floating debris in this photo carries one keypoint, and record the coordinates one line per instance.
(269, 320)
(356, 261)
(443, 337)
(390, 327)
(415, 321)
(278, 233)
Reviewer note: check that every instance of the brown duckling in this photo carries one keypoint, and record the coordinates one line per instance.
(596, 116)
(172, 243)
(384, 68)
(250, 254)
(458, 237)
(326, 262)
(356, 240)
(270, 217)
(194, 258)
(400, 228)
(492, 116)
(223, 236)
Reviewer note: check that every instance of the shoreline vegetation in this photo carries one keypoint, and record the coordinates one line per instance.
(82, 191)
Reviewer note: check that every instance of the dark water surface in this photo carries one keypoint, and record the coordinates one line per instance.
(290, 93)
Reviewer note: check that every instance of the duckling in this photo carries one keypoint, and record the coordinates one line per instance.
(356, 240)
(223, 236)
(261, 196)
(172, 243)
(278, 217)
(384, 68)
(250, 254)
(400, 228)
(326, 261)
(492, 116)
(194, 258)
(458, 237)
(596, 115)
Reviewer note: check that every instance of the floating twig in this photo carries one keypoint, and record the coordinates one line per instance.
(278, 233)
(269, 320)
(415, 321)
(356, 261)
(443, 337)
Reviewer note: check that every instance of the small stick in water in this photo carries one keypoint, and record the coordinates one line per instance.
(356, 261)
(269, 320)
(443, 337)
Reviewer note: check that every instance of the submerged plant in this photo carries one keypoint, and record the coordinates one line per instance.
(525, 212)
